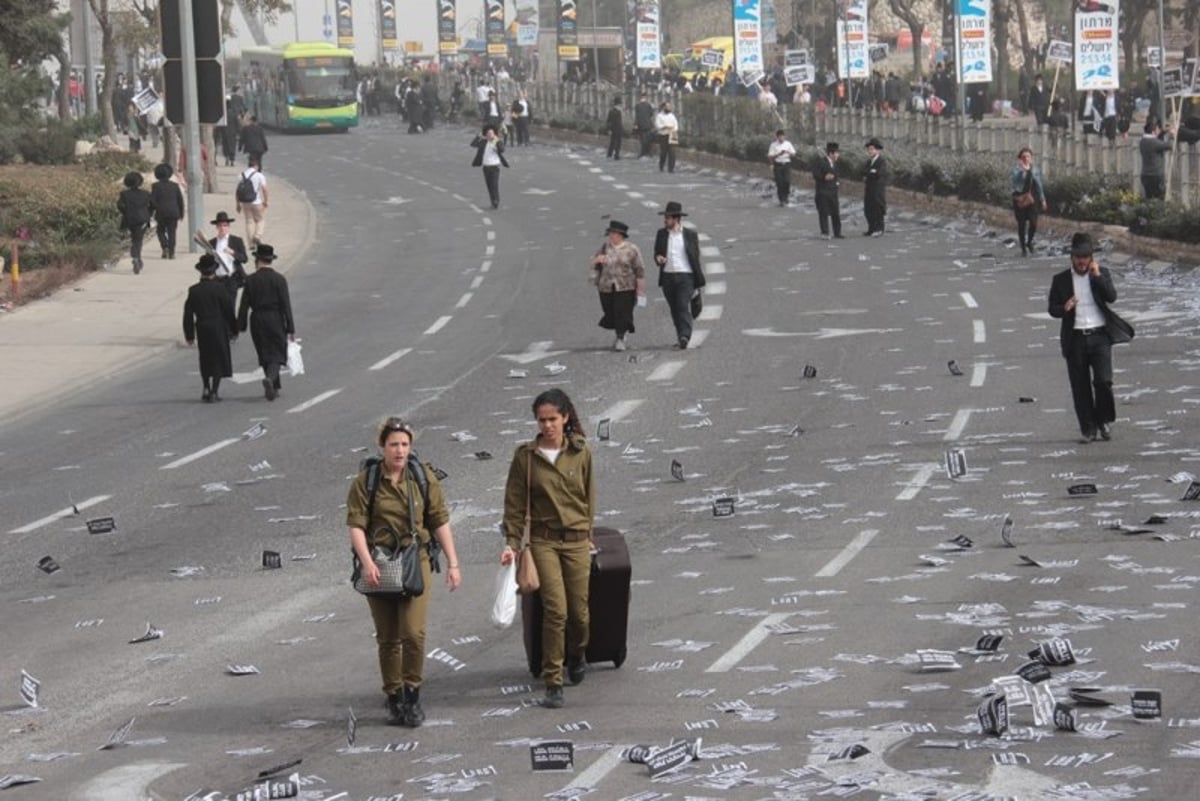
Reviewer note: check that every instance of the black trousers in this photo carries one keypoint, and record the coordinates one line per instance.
(491, 177)
(1154, 186)
(136, 234)
(1027, 220)
(614, 144)
(522, 124)
(677, 289)
(666, 154)
(783, 182)
(1089, 369)
(829, 211)
(645, 139)
(166, 235)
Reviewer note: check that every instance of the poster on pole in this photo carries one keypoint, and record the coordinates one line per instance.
(649, 45)
(527, 23)
(1060, 51)
(842, 62)
(447, 28)
(1172, 82)
(747, 37)
(858, 64)
(1096, 48)
(568, 31)
(387, 24)
(345, 23)
(975, 40)
(494, 29)
(798, 74)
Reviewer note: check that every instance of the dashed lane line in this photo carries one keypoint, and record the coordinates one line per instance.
(980, 331)
(978, 374)
(621, 409)
(308, 404)
(968, 300)
(464, 300)
(386, 360)
(852, 549)
(60, 514)
(200, 454)
(957, 424)
(666, 371)
(438, 325)
(760, 632)
(711, 312)
(917, 482)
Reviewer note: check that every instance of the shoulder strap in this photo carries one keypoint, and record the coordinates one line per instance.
(417, 470)
(528, 494)
(372, 467)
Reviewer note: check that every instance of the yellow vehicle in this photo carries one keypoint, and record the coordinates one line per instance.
(693, 66)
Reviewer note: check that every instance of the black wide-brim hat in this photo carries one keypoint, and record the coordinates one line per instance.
(875, 143)
(222, 217)
(832, 147)
(264, 253)
(207, 265)
(1082, 245)
(674, 209)
(620, 227)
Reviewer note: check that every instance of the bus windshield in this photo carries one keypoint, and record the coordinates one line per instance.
(321, 82)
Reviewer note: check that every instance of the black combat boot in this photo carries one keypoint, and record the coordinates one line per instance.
(414, 716)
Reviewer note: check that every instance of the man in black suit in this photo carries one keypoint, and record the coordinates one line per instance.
(616, 129)
(489, 154)
(208, 321)
(1080, 297)
(825, 175)
(875, 188)
(230, 252)
(677, 253)
(643, 124)
(271, 326)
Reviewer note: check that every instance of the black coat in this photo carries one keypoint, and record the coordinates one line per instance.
(1062, 289)
(136, 208)
(614, 124)
(691, 247)
(167, 198)
(825, 187)
(266, 294)
(480, 143)
(643, 116)
(254, 141)
(240, 257)
(209, 321)
(875, 180)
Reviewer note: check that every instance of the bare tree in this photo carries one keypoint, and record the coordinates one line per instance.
(1001, 14)
(1023, 31)
(1135, 12)
(906, 10)
(108, 59)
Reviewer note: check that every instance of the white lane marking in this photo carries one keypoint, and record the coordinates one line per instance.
(200, 454)
(308, 404)
(667, 370)
(980, 331)
(852, 549)
(968, 300)
(636, 195)
(461, 198)
(490, 250)
(917, 482)
(607, 178)
(464, 300)
(978, 374)
(487, 265)
(594, 169)
(760, 632)
(715, 288)
(703, 237)
(60, 514)
(957, 424)
(599, 769)
(535, 352)
(711, 312)
(486, 220)
(125, 782)
(698, 337)
(715, 268)
(622, 187)
(386, 360)
(438, 325)
(476, 281)
(491, 235)
(710, 250)
(620, 410)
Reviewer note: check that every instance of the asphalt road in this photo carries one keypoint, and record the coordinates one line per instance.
(783, 635)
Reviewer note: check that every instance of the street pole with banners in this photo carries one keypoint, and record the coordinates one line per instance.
(596, 46)
(191, 124)
(1162, 62)
(960, 93)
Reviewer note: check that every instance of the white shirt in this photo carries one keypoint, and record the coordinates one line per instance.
(1087, 312)
(551, 454)
(665, 122)
(677, 261)
(224, 258)
(767, 98)
(259, 181)
(780, 152)
(481, 92)
(491, 157)
(1110, 105)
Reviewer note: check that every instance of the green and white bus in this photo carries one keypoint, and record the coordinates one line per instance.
(301, 86)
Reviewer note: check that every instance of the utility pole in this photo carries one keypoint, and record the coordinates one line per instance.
(960, 95)
(596, 45)
(1162, 65)
(89, 58)
(191, 123)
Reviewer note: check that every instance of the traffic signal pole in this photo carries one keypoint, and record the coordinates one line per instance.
(191, 124)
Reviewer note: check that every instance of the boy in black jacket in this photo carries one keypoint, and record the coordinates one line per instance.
(136, 209)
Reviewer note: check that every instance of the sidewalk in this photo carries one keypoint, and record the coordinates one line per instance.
(87, 332)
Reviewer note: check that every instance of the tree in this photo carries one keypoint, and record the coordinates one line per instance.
(1001, 14)
(906, 10)
(1135, 13)
(32, 32)
(108, 59)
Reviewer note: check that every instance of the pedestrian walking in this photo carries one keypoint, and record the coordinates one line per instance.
(254, 141)
(209, 322)
(255, 200)
(616, 129)
(620, 277)
(231, 255)
(137, 208)
(667, 127)
(521, 114)
(1039, 101)
(1153, 147)
(875, 188)
(1079, 296)
(780, 154)
(381, 513)
(677, 254)
(267, 306)
(167, 199)
(643, 124)
(1028, 198)
(489, 154)
(550, 480)
(825, 176)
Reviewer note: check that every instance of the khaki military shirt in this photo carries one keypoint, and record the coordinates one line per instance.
(562, 495)
(390, 514)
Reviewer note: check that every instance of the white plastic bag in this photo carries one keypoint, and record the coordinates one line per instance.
(504, 608)
(295, 362)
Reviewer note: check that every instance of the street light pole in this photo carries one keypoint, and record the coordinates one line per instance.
(1162, 64)
(596, 46)
(191, 123)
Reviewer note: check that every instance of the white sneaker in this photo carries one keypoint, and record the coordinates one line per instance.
(619, 344)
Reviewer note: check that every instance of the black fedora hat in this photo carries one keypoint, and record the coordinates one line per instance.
(875, 143)
(674, 209)
(620, 227)
(1082, 244)
(832, 147)
(207, 265)
(222, 217)
(263, 253)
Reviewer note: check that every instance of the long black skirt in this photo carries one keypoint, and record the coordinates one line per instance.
(618, 311)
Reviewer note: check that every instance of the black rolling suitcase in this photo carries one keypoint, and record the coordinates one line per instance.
(608, 605)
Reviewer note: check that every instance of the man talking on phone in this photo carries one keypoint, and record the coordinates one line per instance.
(1080, 297)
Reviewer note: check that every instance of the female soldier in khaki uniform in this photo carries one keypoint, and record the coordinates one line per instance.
(555, 469)
(400, 622)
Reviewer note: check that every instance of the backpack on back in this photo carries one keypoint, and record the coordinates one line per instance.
(245, 192)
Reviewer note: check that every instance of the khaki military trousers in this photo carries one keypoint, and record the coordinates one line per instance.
(400, 634)
(564, 568)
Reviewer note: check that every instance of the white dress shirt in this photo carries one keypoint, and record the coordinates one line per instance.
(677, 261)
(1087, 311)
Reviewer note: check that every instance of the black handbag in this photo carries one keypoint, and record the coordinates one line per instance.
(399, 572)
(697, 304)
